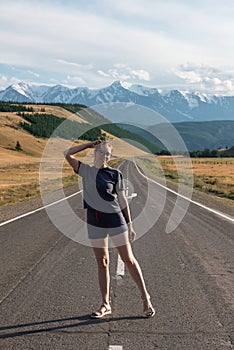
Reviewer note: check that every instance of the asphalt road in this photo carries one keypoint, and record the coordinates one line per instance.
(49, 283)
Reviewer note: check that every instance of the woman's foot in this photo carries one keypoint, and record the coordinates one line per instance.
(104, 310)
(148, 308)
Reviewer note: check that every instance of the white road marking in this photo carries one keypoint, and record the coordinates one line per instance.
(227, 217)
(133, 195)
(41, 208)
(120, 267)
(120, 271)
(115, 347)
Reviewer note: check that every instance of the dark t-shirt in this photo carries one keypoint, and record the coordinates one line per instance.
(101, 187)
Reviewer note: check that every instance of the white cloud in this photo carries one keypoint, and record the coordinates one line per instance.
(207, 78)
(116, 74)
(37, 34)
(3, 82)
(3, 78)
(74, 64)
(140, 74)
(124, 72)
(103, 74)
(148, 38)
(120, 65)
(75, 80)
(33, 73)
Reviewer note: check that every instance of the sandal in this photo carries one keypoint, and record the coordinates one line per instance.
(148, 308)
(104, 310)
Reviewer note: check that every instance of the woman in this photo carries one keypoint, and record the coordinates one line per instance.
(108, 214)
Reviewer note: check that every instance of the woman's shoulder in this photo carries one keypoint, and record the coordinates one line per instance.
(82, 168)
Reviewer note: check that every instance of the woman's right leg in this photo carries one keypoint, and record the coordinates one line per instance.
(100, 249)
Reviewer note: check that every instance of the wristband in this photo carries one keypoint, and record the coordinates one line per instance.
(129, 223)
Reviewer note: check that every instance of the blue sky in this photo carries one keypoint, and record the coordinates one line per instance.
(166, 44)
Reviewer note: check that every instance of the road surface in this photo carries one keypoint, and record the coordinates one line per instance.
(49, 283)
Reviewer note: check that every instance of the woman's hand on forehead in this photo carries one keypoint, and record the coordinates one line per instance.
(97, 142)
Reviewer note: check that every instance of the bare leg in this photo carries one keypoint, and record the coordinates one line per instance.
(102, 256)
(126, 254)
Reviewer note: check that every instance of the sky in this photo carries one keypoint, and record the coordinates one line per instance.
(167, 44)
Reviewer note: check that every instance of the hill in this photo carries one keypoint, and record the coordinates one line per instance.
(31, 124)
(212, 135)
(11, 132)
(14, 117)
(196, 135)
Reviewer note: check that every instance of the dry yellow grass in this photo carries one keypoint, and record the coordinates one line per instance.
(10, 133)
(214, 175)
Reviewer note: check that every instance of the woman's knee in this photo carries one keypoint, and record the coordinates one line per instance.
(128, 260)
(126, 255)
(103, 262)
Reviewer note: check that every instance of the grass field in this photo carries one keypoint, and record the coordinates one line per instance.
(212, 175)
(20, 176)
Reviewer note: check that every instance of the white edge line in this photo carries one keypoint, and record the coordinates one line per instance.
(41, 208)
(188, 199)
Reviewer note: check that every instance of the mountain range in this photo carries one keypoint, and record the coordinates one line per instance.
(175, 105)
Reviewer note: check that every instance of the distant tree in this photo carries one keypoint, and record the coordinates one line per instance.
(215, 153)
(206, 153)
(18, 146)
(13, 107)
(164, 152)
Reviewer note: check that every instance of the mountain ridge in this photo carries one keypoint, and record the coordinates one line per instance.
(174, 105)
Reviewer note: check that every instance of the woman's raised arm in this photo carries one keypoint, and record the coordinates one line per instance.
(68, 154)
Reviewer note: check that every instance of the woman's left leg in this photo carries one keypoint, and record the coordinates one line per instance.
(126, 254)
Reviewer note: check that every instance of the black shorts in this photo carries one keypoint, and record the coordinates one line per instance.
(101, 224)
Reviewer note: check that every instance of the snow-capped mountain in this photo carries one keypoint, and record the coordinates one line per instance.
(174, 105)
